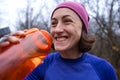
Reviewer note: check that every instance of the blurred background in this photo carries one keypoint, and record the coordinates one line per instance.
(104, 22)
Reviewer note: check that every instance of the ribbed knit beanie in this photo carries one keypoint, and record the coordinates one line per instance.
(78, 8)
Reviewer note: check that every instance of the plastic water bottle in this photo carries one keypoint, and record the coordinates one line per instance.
(36, 43)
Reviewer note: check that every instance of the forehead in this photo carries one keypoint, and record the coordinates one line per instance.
(64, 11)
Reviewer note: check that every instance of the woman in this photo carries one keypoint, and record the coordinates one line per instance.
(71, 61)
(69, 29)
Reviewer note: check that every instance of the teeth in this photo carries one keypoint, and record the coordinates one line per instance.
(60, 39)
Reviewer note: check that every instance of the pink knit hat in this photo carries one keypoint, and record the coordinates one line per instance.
(78, 9)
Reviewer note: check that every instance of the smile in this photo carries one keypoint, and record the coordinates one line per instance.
(62, 38)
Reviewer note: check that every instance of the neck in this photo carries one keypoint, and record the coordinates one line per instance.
(71, 54)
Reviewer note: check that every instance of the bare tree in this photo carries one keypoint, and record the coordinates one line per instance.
(106, 21)
(32, 20)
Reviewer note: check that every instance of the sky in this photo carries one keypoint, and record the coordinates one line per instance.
(9, 9)
(8, 14)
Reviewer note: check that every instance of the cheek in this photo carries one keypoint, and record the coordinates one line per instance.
(77, 35)
(78, 32)
(51, 31)
(76, 38)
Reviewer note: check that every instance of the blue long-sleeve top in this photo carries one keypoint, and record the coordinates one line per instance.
(87, 67)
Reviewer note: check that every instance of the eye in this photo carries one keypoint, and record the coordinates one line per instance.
(53, 23)
(67, 21)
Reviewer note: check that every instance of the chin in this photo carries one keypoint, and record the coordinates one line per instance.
(60, 49)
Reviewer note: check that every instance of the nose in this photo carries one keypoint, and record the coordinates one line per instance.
(59, 28)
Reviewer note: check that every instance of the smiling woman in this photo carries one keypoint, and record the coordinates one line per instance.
(65, 27)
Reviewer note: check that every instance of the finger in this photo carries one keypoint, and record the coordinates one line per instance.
(4, 44)
(25, 30)
(19, 34)
(13, 39)
(3, 39)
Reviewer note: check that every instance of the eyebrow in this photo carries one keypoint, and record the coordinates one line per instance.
(62, 17)
(53, 19)
(65, 16)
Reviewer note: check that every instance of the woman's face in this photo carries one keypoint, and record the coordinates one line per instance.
(65, 29)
